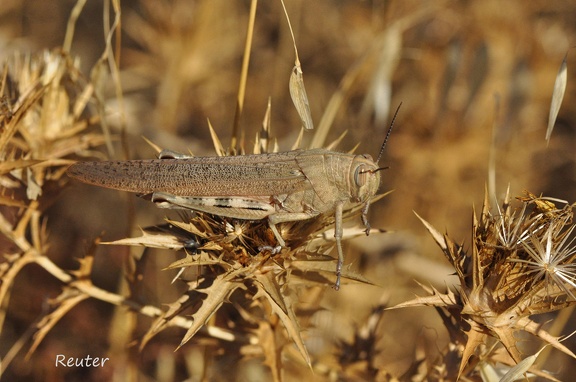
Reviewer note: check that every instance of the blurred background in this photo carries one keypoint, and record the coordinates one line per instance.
(475, 80)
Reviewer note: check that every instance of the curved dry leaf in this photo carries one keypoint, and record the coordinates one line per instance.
(296, 84)
(518, 371)
(300, 98)
(557, 97)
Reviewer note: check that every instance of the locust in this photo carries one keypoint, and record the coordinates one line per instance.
(281, 187)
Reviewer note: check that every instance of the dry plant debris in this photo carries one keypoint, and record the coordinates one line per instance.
(43, 122)
(234, 307)
(521, 264)
(235, 263)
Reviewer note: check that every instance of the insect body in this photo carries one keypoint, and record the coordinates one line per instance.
(282, 187)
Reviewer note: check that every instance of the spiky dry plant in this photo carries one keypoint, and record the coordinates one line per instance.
(233, 263)
(238, 263)
(234, 285)
(44, 108)
(358, 355)
(444, 61)
(521, 263)
(44, 98)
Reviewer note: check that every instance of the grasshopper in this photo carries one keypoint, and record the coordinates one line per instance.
(281, 187)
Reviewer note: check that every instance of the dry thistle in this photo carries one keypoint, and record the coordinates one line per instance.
(521, 263)
(238, 262)
(44, 99)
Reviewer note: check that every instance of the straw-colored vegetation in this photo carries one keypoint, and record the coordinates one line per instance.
(486, 94)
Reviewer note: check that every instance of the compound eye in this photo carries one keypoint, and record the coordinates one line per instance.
(361, 175)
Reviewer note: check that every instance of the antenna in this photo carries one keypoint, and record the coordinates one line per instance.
(387, 136)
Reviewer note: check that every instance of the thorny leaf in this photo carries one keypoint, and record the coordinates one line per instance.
(202, 258)
(168, 241)
(535, 329)
(476, 337)
(438, 237)
(216, 294)
(188, 227)
(164, 320)
(282, 306)
(506, 335)
(173, 235)
(230, 266)
(438, 299)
